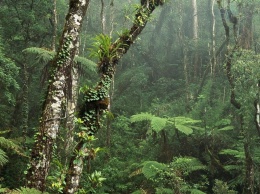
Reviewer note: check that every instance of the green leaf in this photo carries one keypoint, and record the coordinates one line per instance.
(227, 128)
(3, 157)
(184, 129)
(196, 191)
(158, 123)
(141, 117)
(150, 168)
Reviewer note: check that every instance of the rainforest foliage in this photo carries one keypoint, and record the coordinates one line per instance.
(159, 96)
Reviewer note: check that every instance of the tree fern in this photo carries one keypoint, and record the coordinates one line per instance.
(187, 165)
(183, 124)
(235, 153)
(8, 145)
(43, 55)
(3, 158)
(150, 168)
(141, 117)
(158, 123)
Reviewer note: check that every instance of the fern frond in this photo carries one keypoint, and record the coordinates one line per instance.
(158, 123)
(88, 64)
(136, 172)
(25, 190)
(3, 158)
(184, 129)
(160, 190)
(235, 153)
(196, 191)
(187, 164)
(42, 54)
(141, 117)
(185, 120)
(227, 128)
(10, 145)
(150, 168)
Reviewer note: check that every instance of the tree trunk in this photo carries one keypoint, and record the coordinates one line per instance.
(246, 38)
(213, 61)
(103, 17)
(195, 38)
(70, 113)
(184, 58)
(54, 26)
(97, 99)
(257, 109)
(249, 174)
(54, 102)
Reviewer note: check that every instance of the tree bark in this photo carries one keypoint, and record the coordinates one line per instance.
(246, 38)
(213, 41)
(54, 26)
(96, 100)
(195, 38)
(54, 101)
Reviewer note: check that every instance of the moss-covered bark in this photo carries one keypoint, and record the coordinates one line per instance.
(55, 99)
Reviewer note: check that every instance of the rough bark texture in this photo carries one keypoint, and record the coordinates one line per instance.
(70, 114)
(54, 102)
(96, 100)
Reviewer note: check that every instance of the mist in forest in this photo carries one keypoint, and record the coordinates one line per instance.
(129, 97)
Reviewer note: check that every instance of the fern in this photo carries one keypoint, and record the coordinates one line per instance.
(158, 123)
(235, 153)
(9, 145)
(42, 55)
(184, 129)
(3, 158)
(161, 190)
(187, 165)
(196, 191)
(141, 117)
(90, 65)
(183, 124)
(150, 168)
(24, 190)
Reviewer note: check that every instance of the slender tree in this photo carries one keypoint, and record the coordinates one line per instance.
(195, 36)
(52, 109)
(249, 174)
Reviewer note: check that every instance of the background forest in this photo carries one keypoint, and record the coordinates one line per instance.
(151, 97)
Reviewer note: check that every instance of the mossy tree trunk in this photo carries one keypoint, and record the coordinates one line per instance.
(96, 99)
(249, 164)
(59, 86)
